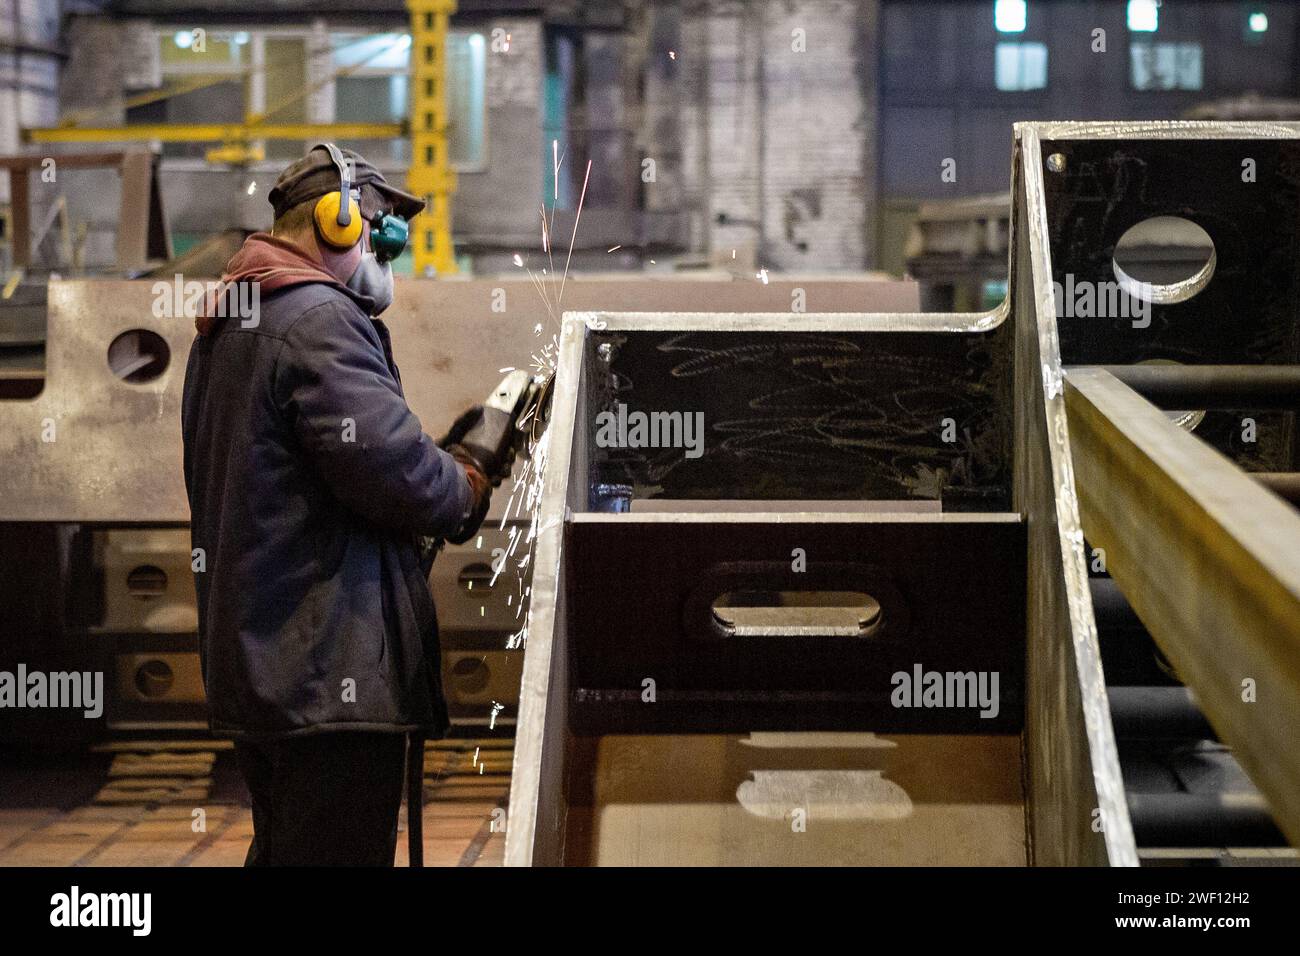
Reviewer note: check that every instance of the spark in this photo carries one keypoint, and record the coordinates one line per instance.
(525, 500)
(577, 216)
(672, 54)
(614, 248)
(508, 368)
(762, 274)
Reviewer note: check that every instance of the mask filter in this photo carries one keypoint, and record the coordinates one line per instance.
(375, 280)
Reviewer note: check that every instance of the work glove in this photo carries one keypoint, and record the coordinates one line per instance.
(490, 442)
(480, 489)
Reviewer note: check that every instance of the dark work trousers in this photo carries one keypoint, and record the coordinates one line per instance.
(330, 799)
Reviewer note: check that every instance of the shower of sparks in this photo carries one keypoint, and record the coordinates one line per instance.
(524, 503)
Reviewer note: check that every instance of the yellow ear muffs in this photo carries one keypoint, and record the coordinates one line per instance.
(326, 215)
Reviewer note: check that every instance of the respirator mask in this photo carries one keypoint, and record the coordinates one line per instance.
(340, 224)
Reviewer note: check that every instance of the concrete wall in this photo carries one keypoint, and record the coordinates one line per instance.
(778, 143)
(29, 71)
(498, 206)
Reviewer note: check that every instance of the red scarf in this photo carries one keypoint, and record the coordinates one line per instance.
(271, 262)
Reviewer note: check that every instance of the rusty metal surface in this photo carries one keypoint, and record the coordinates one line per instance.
(1209, 560)
(116, 450)
(1077, 811)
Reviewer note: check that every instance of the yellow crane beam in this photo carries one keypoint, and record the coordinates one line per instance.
(211, 132)
(431, 174)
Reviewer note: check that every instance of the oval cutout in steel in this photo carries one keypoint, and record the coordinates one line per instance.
(138, 356)
(471, 675)
(476, 577)
(1164, 259)
(154, 678)
(754, 613)
(146, 581)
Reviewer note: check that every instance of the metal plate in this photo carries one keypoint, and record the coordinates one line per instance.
(950, 588)
(807, 414)
(93, 448)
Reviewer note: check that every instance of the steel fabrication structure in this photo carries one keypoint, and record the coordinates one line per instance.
(1051, 485)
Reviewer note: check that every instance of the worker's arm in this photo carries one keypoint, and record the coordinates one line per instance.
(349, 416)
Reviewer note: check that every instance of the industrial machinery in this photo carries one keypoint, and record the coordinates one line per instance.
(1115, 588)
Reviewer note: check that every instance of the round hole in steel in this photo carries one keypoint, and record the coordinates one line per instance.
(1164, 260)
(471, 674)
(154, 678)
(138, 356)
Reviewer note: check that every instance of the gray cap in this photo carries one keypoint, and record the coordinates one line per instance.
(315, 175)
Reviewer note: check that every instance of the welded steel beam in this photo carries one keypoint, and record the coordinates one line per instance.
(1209, 560)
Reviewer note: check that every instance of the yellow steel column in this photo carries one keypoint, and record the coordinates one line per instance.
(431, 175)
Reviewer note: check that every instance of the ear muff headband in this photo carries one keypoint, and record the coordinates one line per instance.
(337, 214)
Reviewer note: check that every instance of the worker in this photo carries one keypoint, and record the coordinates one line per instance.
(316, 502)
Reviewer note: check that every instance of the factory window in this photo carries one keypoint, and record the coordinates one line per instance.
(205, 74)
(1255, 26)
(467, 99)
(372, 85)
(1021, 66)
(1165, 66)
(1144, 16)
(1010, 16)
